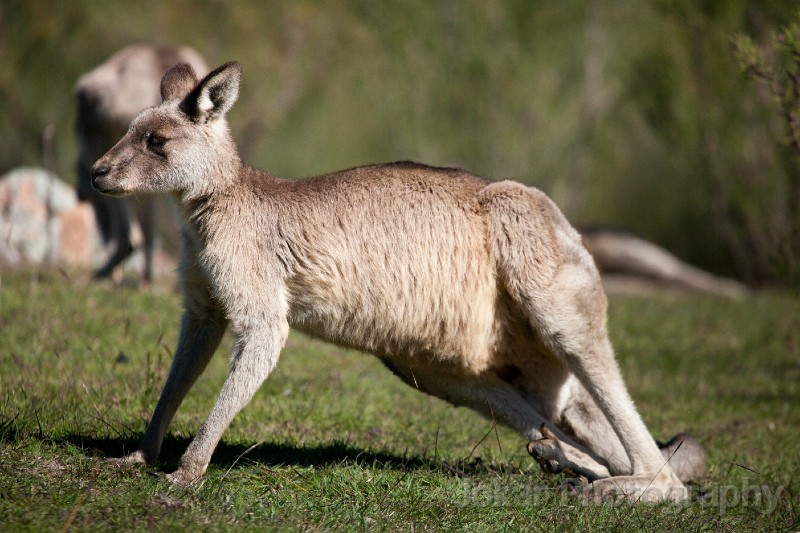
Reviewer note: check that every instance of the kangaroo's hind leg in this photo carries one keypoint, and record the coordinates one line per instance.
(552, 278)
(584, 420)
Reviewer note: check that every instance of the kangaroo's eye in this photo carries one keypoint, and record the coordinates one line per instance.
(154, 141)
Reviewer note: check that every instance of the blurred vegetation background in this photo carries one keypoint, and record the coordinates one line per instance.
(634, 115)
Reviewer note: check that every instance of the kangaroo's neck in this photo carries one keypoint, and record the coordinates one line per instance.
(233, 197)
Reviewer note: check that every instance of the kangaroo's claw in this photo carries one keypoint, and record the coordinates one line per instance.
(548, 452)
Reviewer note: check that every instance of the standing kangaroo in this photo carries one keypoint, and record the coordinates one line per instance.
(107, 98)
(476, 292)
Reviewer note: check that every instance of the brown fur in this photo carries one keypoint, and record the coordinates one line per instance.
(107, 98)
(477, 292)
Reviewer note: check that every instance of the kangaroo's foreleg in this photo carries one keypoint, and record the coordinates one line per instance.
(587, 423)
(202, 326)
(254, 357)
(199, 338)
(198, 342)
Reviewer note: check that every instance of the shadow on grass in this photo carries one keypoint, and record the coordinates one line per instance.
(228, 455)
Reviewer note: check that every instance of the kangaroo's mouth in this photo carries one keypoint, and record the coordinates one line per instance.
(101, 186)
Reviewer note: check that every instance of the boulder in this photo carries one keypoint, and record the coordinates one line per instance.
(41, 221)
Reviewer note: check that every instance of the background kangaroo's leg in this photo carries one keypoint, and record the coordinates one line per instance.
(146, 215)
(119, 231)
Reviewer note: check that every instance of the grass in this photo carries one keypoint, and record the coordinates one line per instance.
(333, 441)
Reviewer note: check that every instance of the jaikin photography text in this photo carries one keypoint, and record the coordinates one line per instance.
(499, 493)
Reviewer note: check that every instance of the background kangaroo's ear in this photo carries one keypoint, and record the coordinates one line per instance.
(178, 81)
(215, 94)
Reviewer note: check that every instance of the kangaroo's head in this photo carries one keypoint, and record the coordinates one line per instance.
(182, 145)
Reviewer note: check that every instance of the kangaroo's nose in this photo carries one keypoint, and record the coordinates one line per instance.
(99, 172)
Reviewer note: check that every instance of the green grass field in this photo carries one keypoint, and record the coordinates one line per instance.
(333, 441)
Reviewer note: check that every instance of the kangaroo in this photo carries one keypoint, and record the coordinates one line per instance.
(107, 98)
(620, 253)
(477, 292)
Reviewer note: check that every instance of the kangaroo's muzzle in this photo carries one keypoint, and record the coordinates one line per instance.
(98, 173)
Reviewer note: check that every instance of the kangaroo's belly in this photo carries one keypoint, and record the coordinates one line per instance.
(403, 289)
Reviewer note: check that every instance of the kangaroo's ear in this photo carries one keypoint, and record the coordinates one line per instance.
(215, 94)
(179, 80)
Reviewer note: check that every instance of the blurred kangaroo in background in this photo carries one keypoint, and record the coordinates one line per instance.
(477, 292)
(108, 97)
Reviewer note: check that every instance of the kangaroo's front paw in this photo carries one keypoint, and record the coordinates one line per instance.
(136, 457)
(551, 456)
(186, 476)
(548, 453)
(664, 487)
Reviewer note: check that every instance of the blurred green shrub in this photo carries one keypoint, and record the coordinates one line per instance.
(776, 67)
